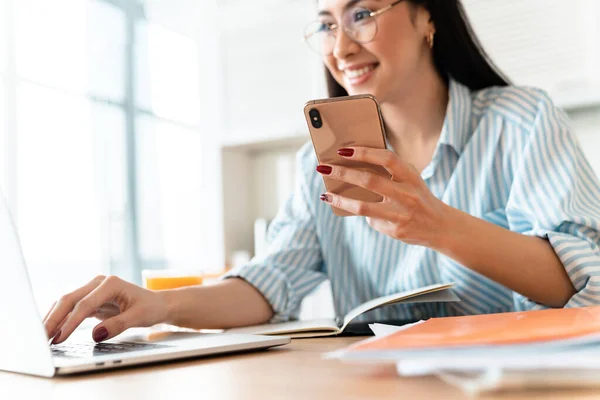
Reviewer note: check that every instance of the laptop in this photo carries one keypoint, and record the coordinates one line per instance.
(26, 348)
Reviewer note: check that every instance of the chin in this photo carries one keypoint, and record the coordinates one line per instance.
(372, 91)
(368, 88)
(352, 90)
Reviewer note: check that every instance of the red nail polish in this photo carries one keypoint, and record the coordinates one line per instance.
(324, 169)
(100, 334)
(56, 337)
(325, 198)
(346, 152)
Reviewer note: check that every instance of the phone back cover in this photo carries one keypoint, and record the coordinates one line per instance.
(347, 122)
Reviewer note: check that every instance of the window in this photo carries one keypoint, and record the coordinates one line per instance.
(3, 35)
(3, 172)
(107, 41)
(109, 141)
(170, 174)
(169, 150)
(3, 67)
(58, 202)
(106, 151)
(51, 42)
(167, 71)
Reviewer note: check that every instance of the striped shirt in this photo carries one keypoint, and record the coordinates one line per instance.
(506, 155)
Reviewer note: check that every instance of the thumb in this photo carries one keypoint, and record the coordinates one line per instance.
(112, 327)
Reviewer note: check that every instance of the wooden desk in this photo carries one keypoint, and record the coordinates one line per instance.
(295, 371)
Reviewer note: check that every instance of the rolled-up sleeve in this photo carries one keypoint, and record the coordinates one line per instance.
(291, 267)
(555, 195)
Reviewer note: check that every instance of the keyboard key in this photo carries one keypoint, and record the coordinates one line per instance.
(86, 350)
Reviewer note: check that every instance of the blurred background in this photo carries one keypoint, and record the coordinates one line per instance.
(161, 134)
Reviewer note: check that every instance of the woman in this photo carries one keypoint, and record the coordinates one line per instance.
(489, 190)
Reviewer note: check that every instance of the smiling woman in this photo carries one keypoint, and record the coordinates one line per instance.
(467, 187)
(458, 51)
(489, 189)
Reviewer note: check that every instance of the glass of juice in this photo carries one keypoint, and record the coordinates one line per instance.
(161, 279)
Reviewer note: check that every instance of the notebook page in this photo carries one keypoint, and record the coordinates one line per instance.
(432, 293)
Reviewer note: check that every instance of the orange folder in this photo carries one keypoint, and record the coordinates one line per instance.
(512, 328)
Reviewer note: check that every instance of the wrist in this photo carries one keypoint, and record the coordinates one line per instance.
(450, 228)
(170, 300)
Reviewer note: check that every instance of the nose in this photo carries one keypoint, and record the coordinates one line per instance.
(344, 46)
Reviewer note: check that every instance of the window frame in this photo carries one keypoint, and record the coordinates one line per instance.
(131, 265)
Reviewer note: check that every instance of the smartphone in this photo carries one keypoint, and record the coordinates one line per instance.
(347, 121)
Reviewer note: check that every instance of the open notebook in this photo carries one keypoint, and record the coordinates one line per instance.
(331, 327)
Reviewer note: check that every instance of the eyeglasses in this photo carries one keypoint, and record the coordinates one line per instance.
(358, 23)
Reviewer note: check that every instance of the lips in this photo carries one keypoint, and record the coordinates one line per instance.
(358, 75)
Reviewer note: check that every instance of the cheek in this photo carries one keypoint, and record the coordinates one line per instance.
(396, 57)
(332, 67)
(397, 45)
(330, 64)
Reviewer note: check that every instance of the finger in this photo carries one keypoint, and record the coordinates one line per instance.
(364, 179)
(49, 312)
(370, 181)
(114, 326)
(56, 334)
(107, 311)
(87, 306)
(361, 208)
(66, 304)
(398, 169)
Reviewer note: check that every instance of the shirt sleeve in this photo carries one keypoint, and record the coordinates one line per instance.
(292, 265)
(556, 195)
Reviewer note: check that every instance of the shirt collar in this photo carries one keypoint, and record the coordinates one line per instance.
(455, 131)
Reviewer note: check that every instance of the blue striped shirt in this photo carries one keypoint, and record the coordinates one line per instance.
(505, 155)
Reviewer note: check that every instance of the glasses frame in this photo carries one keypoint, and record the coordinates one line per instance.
(372, 14)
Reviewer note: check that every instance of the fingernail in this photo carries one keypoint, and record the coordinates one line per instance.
(324, 169)
(325, 198)
(346, 152)
(56, 337)
(100, 334)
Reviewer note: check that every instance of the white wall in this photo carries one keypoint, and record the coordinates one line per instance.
(256, 183)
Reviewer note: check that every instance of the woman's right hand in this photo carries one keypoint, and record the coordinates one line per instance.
(118, 304)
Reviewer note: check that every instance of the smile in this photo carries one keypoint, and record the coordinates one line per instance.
(357, 76)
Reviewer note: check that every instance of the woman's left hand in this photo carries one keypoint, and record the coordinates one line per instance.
(409, 211)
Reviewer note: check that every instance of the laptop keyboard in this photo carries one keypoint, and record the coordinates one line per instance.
(86, 350)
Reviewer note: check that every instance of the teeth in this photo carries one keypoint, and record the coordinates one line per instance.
(355, 73)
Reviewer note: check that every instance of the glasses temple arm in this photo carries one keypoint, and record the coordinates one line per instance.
(384, 9)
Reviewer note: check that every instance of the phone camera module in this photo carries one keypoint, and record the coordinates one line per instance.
(315, 118)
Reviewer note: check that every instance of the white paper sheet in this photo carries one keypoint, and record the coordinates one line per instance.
(379, 330)
(496, 380)
(586, 357)
(384, 329)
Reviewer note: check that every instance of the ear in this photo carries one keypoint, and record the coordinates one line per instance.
(421, 19)
(426, 22)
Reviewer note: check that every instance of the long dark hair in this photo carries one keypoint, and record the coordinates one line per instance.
(456, 52)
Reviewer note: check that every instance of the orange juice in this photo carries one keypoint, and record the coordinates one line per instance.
(171, 278)
(172, 282)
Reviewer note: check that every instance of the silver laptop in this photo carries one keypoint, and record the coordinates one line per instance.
(25, 345)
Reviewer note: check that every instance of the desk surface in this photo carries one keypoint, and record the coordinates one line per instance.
(289, 372)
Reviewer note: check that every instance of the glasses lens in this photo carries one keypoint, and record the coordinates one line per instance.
(360, 25)
(319, 37)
